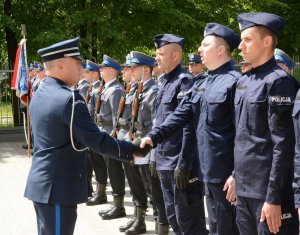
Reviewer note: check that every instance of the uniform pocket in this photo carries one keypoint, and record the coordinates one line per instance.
(258, 114)
(218, 110)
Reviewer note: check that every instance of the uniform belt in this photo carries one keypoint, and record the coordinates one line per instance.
(125, 127)
(104, 123)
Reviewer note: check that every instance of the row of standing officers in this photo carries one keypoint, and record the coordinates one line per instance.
(224, 134)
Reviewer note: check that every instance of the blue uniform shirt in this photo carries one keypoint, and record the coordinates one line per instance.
(175, 85)
(58, 172)
(264, 143)
(210, 106)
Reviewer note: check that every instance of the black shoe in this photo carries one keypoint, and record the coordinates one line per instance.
(102, 212)
(116, 212)
(127, 226)
(138, 227)
(96, 200)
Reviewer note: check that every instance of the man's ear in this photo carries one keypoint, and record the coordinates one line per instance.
(268, 41)
(175, 55)
(221, 50)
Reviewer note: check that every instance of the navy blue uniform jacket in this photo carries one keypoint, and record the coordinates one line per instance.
(209, 105)
(170, 152)
(58, 172)
(264, 143)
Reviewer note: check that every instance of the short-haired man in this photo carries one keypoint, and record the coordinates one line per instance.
(264, 143)
(209, 107)
(175, 159)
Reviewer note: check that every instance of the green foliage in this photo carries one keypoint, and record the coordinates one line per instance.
(115, 27)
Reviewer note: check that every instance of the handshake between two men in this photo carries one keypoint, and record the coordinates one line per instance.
(143, 146)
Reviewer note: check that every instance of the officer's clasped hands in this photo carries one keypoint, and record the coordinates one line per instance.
(137, 150)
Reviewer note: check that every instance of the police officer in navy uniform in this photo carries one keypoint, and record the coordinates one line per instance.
(62, 129)
(264, 143)
(195, 64)
(284, 60)
(105, 119)
(175, 158)
(209, 106)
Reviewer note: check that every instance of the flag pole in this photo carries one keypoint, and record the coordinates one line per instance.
(23, 27)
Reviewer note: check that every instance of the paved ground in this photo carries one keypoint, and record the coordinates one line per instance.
(17, 215)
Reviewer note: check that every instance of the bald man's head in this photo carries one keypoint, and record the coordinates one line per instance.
(169, 56)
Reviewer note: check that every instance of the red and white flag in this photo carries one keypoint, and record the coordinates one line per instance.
(20, 78)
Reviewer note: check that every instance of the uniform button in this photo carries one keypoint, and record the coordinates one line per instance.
(80, 176)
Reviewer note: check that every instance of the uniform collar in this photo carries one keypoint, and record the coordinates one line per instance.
(110, 82)
(172, 74)
(148, 84)
(223, 68)
(94, 83)
(54, 80)
(268, 66)
(81, 81)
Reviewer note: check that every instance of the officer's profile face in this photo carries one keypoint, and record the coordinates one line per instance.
(166, 57)
(72, 70)
(138, 72)
(156, 71)
(191, 67)
(209, 51)
(104, 71)
(88, 75)
(195, 68)
(126, 74)
(252, 46)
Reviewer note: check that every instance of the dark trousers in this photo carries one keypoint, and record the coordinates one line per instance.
(117, 177)
(55, 219)
(248, 218)
(98, 164)
(135, 182)
(221, 214)
(158, 200)
(183, 207)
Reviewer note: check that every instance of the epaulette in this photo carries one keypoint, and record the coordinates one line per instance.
(277, 74)
(281, 73)
(234, 73)
(185, 75)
